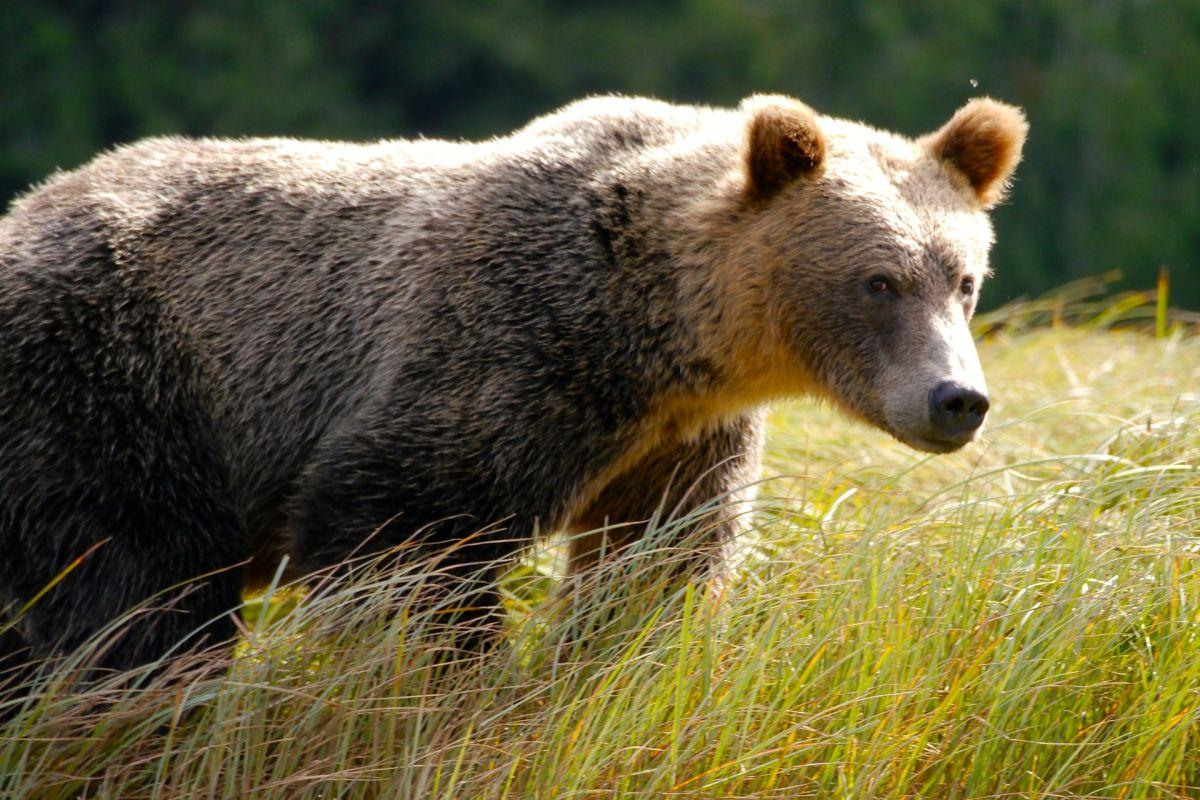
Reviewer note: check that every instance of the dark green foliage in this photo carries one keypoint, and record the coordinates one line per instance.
(1112, 172)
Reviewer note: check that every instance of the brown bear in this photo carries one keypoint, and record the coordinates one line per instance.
(215, 353)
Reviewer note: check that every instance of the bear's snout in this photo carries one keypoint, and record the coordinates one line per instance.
(956, 411)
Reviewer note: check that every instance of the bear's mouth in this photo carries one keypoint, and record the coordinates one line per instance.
(938, 446)
(911, 424)
(928, 443)
(922, 439)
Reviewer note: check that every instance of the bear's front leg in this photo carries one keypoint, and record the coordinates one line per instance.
(375, 490)
(671, 483)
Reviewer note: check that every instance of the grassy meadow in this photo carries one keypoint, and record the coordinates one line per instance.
(1020, 619)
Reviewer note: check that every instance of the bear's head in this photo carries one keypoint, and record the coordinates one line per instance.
(869, 251)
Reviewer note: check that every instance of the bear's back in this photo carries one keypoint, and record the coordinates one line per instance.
(299, 273)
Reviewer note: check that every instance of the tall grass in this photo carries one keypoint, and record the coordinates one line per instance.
(1021, 619)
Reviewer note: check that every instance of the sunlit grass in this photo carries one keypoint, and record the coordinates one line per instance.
(1021, 619)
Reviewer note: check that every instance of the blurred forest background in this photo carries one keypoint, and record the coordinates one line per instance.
(1112, 88)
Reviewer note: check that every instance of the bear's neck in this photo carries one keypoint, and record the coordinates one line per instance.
(673, 222)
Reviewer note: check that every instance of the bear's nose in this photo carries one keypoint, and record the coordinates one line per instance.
(955, 410)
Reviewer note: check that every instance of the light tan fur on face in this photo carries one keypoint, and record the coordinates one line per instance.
(788, 272)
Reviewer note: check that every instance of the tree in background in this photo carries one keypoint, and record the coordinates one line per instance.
(1112, 173)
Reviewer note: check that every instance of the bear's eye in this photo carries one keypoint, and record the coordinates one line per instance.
(879, 285)
(967, 286)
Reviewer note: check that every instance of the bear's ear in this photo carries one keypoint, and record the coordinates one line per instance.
(783, 143)
(982, 141)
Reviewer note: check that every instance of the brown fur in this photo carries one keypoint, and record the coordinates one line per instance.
(783, 143)
(214, 352)
(983, 141)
